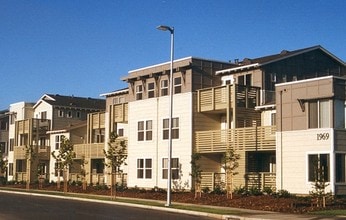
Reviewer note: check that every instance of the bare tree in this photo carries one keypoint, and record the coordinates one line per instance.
(115, 158)
(64, 158)
(230, 164)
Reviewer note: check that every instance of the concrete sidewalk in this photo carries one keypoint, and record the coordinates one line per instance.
(242, 214)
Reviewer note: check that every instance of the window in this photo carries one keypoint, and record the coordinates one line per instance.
(139, 92)
(340, 165)
(273, 119)
(3, 125)
(118, 100)
(241, 80)
(13, 118)
(43, 115)
(318, 167)
(60, 113)
(151, 90)
(24, 139)
(177, 85)
(58, 141)
(69, 114)
(248, 79)
(11, 144)
(3, 147)
(319, 114)
(98, 136)
(144, 168)
(78, 114)
(149, 130)
(57, 167)
(175, 128)
(164, 87)
(43, 143)
(10, 169)
(174, 168)
(145, 133)
(140, 131)
(121, 132)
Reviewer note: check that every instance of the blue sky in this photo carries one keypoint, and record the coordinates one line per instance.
(83, 48)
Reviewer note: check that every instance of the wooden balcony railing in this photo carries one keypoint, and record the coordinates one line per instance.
(260, 180)
(246, 139)
(119, 112)
(94, 150)
(42, 152)
(228, 96)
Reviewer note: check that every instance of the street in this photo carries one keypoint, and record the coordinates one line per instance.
(17, 206)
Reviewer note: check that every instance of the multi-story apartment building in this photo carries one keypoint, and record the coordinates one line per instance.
(307, 115)
(4, 127)
(147, 103)
(36, 132)
(219, 106)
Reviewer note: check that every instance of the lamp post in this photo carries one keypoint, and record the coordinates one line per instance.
(169, 181)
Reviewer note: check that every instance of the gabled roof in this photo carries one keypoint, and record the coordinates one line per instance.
(72, 102)
(261, 61)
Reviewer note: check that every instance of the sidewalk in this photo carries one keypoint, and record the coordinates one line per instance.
(243, 214)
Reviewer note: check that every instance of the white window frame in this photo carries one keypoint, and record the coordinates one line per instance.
(175, 168)
(144, 169)
(164, 87)
(139, 92)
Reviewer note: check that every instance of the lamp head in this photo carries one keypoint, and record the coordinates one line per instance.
(165, 28)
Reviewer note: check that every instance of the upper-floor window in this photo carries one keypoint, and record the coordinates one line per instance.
(13, 118)
(164, 87)
(44, 115)
(58, 139)
(139, 92)
(60, 113)
(319, 114)
(245, 80)
(151, 90)
(145, 130)
(78, 114)
(11, 144)
(177, 85)
(3, 125)
(118, 100)
(69, 114)
(175, 128)
(98, 135)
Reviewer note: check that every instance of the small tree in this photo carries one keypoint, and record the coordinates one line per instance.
(3, 167)
(230, 164)
(30, 157)
(115, 158)
(64, 158)
(319, 186)
(196, 173)
(83, 172)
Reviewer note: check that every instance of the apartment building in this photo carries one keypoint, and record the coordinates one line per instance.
(4, 127)
(146, 102)
(37, 129)
(284, 115)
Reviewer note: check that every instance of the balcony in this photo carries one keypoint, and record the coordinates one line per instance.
(243, 139)
(259, 180)
(42, 152)
(229, 96)
(94, 150)
(119, 113)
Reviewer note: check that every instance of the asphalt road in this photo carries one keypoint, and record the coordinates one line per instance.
(17, 206)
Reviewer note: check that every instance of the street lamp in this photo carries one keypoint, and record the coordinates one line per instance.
(169, 181)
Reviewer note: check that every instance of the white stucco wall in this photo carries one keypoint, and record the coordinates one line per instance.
(297, 145)
(157, 109)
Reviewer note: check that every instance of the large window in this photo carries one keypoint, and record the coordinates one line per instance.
(98, 136)
(164, 87)
(58, 140)
(174, 168)
(318, 167)
(319, 114)
(145, 130)
(144, 168)
(151, 90)
(175, 128)
(139, 92)
(340, 166)
(177, 85)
